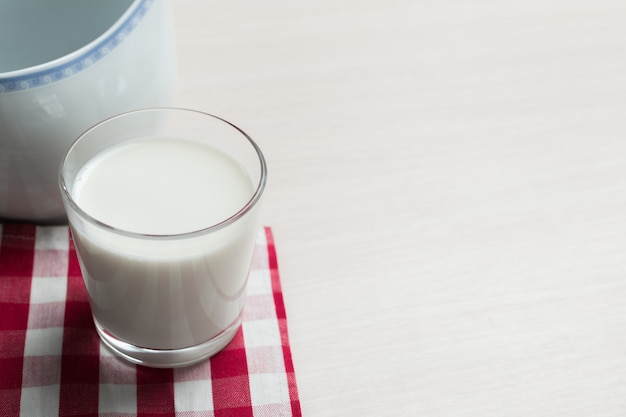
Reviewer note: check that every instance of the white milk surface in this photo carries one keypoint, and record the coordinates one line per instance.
(162, 186)
(165, 293)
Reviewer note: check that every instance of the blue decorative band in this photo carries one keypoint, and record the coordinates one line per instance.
(84, 61)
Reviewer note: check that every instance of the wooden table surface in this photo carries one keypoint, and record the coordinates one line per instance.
(447, 192)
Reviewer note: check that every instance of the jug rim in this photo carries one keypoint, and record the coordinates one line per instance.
(80, 59)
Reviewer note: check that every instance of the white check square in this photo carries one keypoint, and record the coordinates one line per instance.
(36, 399)
(261, 333)
(259, 282)
(48, 290)
(40, 342)
(193, 395)
(52, 238)
(268, 389)
(117, 399)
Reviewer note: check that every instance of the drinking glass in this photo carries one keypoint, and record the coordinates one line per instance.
(163, 241)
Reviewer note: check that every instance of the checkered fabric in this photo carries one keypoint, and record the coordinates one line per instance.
(53, 363)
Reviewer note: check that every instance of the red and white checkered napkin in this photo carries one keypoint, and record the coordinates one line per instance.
(52, 361)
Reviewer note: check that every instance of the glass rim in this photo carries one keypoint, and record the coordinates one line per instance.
(246, 208)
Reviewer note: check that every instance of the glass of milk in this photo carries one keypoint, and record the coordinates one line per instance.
(163, 206)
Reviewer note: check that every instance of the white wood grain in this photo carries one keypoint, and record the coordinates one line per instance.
(447, 192)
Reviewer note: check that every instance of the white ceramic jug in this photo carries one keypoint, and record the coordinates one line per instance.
(64, 66)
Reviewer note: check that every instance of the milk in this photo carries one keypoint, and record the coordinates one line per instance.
(164, 292)
(162, 186)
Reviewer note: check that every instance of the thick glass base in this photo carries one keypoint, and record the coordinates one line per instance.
(168, 358)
